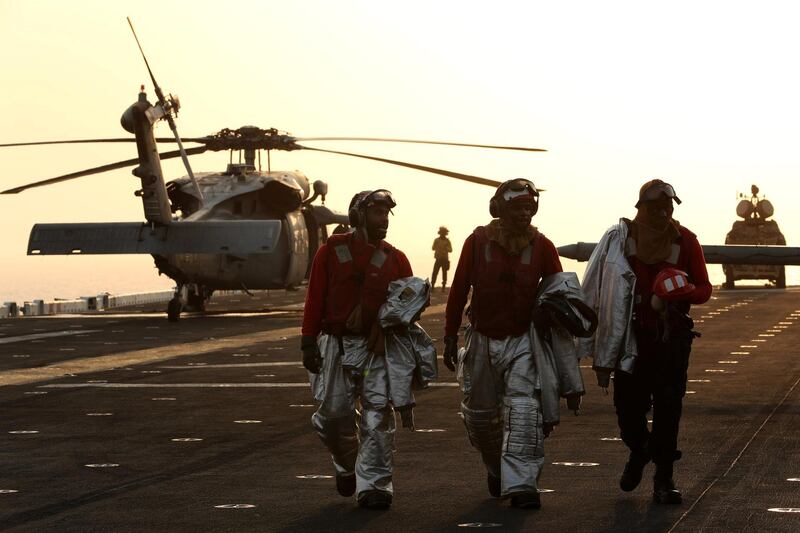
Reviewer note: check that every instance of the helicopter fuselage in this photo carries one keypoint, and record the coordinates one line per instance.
(245, 194)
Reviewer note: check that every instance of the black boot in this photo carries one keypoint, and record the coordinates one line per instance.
(375, 499)
(526, 500)
(632, 475)
(494, 485)
(346, 484)
(664, 491)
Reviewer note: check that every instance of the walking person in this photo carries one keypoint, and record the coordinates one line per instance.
(342, 345)
(503, 263)
(642, 279)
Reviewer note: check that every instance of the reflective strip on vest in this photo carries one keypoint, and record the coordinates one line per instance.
(525, 259)
(343, 253)
(378, 258)
(674, 254)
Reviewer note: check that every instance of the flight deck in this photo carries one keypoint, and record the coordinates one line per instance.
(123, 421)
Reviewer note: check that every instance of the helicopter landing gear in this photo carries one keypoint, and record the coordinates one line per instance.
(196, 298)
(780, 283)
(729, 283)
(178, 302)
(174, 309)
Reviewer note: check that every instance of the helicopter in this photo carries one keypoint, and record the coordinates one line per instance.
(245, 228)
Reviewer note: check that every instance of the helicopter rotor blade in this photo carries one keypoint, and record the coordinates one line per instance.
(524, 149)
(448, 173)
(117, 140)
(97, 170)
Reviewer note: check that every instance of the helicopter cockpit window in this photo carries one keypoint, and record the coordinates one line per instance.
(277, 196)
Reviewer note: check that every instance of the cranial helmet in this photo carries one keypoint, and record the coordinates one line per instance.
(672, 284)
(356, 213)
(653, 189)
(515, 190)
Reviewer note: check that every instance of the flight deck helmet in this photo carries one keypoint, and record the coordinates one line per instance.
(356, 213)
(653, 189)
(514, 190)
(672, 284)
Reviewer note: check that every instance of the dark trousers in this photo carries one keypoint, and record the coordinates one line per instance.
(444, 264)
(658, 382)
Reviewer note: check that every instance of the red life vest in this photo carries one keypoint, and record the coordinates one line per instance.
(349, 286)
(680, 258)
(504, 286)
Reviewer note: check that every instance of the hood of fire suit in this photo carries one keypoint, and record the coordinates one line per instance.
(511, 240)
(653, 243)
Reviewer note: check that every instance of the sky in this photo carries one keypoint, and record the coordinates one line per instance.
(700, 94)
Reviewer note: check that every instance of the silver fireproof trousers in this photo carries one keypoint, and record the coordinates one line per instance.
(355, 420)
(502, 410)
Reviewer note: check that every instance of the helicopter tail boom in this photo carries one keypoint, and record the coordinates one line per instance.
(236, 237)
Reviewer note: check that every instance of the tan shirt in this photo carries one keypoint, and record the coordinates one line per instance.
(441, 247)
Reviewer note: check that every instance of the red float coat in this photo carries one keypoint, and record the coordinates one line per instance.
(688, 256)
(504, 286)
(345, 273)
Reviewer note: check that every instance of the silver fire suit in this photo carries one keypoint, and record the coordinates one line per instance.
(555, 353)
(608, 287)
(352, 376)
(506, 384)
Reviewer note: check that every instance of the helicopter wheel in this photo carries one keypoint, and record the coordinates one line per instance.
(174, 310)
(196, 302)
(729, 283)
(780, 283)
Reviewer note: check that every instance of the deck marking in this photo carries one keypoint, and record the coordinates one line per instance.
(292, 385)
(148, 355)
(736, 460)
(37, 336)
(235, 506)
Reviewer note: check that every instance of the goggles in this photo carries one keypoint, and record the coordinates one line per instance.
(520, 189)
(378, 196)
(655, 191)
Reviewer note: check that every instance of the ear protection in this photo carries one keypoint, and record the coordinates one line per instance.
(520, 186)
(356, 214)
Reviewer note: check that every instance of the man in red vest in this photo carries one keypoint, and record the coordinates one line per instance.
(668, 275)
(342, 348)
(503, 263)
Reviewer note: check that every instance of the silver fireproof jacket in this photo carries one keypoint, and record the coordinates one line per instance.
(556, 357)
(608, 287)
(410, 352)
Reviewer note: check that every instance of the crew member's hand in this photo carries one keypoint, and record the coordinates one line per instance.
(451, 352)
(574, 404)
(657, 303)
(603, 376)
(311, 356)
(547, 428)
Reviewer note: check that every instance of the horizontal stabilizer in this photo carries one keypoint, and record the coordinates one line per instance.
(729, 254)
(237, 237)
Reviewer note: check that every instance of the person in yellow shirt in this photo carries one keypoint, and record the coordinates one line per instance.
(441, 253)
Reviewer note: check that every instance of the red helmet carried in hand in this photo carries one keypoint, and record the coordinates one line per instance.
(672, 284)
